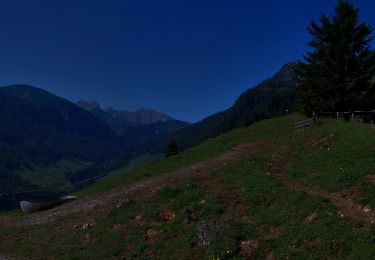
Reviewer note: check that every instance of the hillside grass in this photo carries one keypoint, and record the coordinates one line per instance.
(241, 208)
(133, 164)
(207, 150)
(53, 174)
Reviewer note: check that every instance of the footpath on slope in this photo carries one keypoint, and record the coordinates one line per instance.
(94, 206)
(344, 200)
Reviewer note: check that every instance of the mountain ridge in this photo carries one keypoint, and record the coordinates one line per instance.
(145, 131)
(272, 97)
(41, 129)
(142, 116)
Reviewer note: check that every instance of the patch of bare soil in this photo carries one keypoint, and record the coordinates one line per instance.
(233, 205)
(371, 178)
(344, 200)
(232, 199)
(247, 248)
(272, 232)
(98, 205)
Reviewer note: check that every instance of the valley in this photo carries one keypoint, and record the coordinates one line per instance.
(187, 130)
(93, 141)
(267, 190)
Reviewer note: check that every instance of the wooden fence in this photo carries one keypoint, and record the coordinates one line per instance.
(305, 123)
(360, 116)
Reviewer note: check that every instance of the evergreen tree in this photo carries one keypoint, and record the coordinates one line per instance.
(338, 70)
(172, 148)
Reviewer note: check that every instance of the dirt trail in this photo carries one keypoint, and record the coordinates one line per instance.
(97, 205)
(344, 200)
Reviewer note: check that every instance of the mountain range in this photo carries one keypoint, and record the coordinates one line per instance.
(42, 131)
(37, 126)
(142, 131)
(139, 117)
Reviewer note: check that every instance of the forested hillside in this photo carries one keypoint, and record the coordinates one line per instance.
(273, 97)
(38, 128)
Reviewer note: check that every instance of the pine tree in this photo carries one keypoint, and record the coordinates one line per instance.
(172, 148)
(338, 70)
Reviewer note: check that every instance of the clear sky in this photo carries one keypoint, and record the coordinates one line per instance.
(187, 58)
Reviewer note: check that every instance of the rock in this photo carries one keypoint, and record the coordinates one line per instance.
(151, 232)
(209, 232)
(202, 202)
(151, 235)
(205, 235)
(367, 209)
(188, 220)
(87, 226)
(87, 237)
(270, 256)
(138, 218)
(310, 218)
(248, 247)
(169, 216)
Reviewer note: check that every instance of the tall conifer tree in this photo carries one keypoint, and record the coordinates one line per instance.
(337, 72)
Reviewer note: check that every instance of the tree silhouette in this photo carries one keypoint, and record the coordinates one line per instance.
(338, 70)
(172, 148)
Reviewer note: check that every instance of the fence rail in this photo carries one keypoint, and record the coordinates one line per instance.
(362, 116)
(305, 123)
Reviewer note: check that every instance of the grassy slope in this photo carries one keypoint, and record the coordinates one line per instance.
(245, 211)
(133, 164)
(204, 151)
(53, 174)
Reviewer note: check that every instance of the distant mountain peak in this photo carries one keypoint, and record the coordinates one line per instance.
(143, 116)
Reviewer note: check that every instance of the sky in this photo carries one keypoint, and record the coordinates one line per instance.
(186, 58)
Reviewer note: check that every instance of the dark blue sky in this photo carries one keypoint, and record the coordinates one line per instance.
(187, 58)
